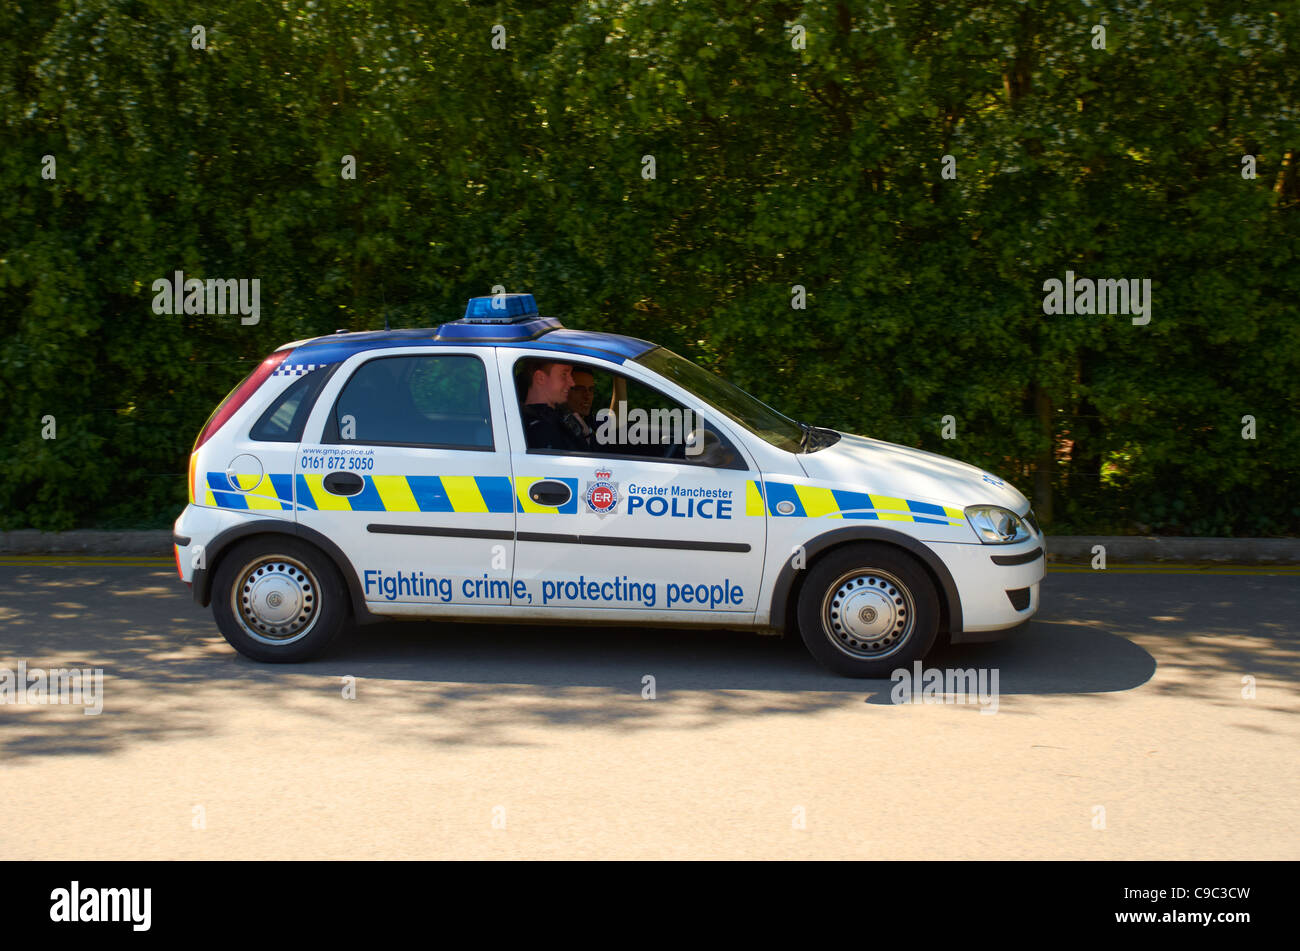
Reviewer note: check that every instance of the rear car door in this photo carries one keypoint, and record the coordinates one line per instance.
(407, 468)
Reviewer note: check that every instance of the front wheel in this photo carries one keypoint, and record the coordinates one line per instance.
(278, 600)
(867, 609)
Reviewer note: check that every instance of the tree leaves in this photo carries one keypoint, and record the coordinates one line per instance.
(775, 166)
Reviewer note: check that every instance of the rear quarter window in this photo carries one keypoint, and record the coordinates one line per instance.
(286, 417)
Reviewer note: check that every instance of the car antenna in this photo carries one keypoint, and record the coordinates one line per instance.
(385, 299)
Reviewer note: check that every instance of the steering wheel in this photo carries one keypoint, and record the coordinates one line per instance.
(712, 445)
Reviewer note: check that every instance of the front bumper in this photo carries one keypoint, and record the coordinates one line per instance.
(998, 585)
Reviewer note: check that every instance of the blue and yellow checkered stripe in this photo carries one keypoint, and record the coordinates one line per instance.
(386, 493)
(252, 492)
(812, 501)
(503, 495)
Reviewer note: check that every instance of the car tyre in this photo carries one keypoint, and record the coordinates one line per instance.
(278, 600)
(868, 609)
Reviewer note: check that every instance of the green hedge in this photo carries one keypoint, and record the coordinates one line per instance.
(775, 166)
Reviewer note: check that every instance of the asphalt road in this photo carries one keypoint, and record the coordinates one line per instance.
(1121, 731)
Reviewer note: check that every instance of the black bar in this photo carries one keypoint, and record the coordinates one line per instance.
(447, 532)
(1022, 559)
(631, 542)
(1093, 899)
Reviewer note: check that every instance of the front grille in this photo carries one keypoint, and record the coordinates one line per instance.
(1019, 598)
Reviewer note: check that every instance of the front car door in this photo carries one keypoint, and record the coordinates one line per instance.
(638, 535)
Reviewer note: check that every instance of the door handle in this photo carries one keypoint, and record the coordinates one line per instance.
(344, 483)
(549, 492)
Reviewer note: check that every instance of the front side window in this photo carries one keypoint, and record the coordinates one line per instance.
(436, 401)
(755, 415)
(590, 410)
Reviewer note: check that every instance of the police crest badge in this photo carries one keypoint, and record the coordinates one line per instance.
(602, 494)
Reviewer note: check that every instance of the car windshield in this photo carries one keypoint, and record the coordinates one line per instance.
(756, 416)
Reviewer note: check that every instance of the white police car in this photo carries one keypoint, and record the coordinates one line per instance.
(388, 475)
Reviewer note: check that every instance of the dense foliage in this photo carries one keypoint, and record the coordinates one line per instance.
(774, 166)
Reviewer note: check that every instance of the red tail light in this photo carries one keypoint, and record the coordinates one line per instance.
(239, 396)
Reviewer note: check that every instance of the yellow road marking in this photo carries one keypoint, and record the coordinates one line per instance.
(1178, 570)
(81, 561)
(145, 561)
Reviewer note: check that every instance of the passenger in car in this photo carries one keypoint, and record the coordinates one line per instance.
(547, 384)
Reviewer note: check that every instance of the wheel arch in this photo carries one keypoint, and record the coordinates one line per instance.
(789, 582)
(220, 546)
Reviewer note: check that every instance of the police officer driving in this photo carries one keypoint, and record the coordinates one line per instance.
(577, 410)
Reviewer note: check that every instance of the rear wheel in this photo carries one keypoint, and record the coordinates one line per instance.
(867, 609)
(278, 600)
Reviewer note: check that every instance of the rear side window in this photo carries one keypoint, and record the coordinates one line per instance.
(437, 401)
(286, 417)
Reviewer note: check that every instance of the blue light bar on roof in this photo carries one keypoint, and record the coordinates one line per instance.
(481, 331)
(500, 309)
(501, 318)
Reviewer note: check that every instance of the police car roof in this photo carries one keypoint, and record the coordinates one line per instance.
(337, 347)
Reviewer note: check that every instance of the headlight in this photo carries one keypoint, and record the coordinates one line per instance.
(996, 525)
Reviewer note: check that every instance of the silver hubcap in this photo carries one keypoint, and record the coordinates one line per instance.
(276, 599)
(868, 614)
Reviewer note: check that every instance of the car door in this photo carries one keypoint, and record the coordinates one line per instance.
(408, 470)
(614, 534)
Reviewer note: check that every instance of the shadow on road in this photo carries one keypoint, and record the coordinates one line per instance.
(169, 674)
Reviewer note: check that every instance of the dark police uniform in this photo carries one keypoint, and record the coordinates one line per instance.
(586, 436)
(545, 428)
